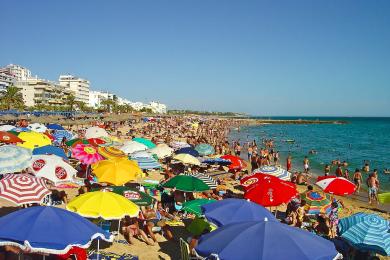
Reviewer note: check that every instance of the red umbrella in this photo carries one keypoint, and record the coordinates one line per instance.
(96, 141)
(49, 135)
(23, 189)
(9, 138)
(236, 162)
(336, 185)
(268, 190)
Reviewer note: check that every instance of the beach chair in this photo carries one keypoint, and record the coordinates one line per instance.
(185, 251)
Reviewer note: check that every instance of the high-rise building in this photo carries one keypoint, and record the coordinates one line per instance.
(20, 73)
(79, 86)
(96, 97)
(6, 79)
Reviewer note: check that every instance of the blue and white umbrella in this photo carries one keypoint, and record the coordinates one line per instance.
(37, 127)
(60, 134)
(275, 171)
(367, 232)
(7, 127)
(146, 163)
(14, 158)
(204, 149)
(21, 129)
(55, 127)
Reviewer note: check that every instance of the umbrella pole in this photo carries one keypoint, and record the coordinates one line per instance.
(98, 254)
(119, 226)
(276, 211)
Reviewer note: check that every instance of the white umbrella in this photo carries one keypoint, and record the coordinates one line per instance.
(178, 145)
(132, 147)
(53, 168)
(13, 158)
(141, 154)
(6, 127)
(95, 132)
(162, 151)
(40, 128)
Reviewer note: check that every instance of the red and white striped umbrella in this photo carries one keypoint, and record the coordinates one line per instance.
(336, 185)
(23, 189)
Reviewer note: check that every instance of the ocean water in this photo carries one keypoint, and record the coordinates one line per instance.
(358, 140)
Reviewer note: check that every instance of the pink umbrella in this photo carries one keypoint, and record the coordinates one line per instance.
(86, 154)
(23, 189)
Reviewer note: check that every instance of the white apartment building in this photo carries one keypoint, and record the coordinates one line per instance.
(158, 107)
(20, 73)
(37, 91)
(96, 97)
(6, 79)
(79, 86)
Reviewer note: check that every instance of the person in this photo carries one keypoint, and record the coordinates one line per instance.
(289, 163)
(152, 219)
(301, 179)
(301, 213)
(366, 167)
(373, 185)
(327, 170)
(357, 179)
(339, 171)
(131, 229)
(306, 164)
(276, 158)
(346, 174)
(322, 226)
(250, 151)
(334, 219)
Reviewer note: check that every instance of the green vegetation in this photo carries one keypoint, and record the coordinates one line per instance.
(11, 99)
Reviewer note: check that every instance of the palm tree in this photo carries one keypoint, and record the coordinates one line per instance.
(11, 98)
(108, 104)
(70, 102)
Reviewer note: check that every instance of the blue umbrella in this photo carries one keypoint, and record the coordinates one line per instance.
(188, 150)
(21, 129)
(264, 240)
(367, 232)
(48, 229)
(55, 127)
(204, 149)
(50, 149)
(229, 211)
(60, 134)
(146, 163)
(218, 161)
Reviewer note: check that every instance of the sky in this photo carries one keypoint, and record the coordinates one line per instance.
(270, 58)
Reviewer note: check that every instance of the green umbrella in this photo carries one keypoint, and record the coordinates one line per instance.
(193, 206)
(186, 183)
(145, 142)
(384, 198)
(76, 141)
(198, 226)
(138, 197)
(14, 132)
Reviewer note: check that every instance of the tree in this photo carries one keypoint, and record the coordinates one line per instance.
(108, 104)
(70, 102)
(12, 98)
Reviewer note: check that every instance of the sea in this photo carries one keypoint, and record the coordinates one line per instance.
(360, 139)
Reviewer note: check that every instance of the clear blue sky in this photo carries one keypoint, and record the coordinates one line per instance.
(292, 57)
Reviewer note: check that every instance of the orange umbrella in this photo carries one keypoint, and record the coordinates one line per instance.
(9, 138)
(111, 152)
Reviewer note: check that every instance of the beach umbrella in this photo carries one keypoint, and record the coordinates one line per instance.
(13, 158)
(37, 127)
(109, 141)
(132, 147)
(186, 183)
(268, 190)
(76, 141)
(33, 140)
(188, 150)
(145, 142)
(54, 127)
(274, 171)
(111, 152)
(205, 178)
(367, 232)
(21, 129)
(50, 149)
(336, 185)
(23, 189)
(198, 226)
(162, 151)
(316, 203)
(116, 171)
(58, 135)
(96, 141)
(194, 206)
(384, 198)
(236, 162)
(86, 154)
(138, 197)
(267, 239)
(186, 159)
(103, 204)
(141, 154)
(48, 230)
(53, 168)
(176, 145)
(9, 138)
(7, 127)
(204, 149)
(228, 211)
(147, 163)
(218, 161)
(95, 132)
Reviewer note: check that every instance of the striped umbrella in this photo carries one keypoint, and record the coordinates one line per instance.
(316, 203)
(274, 171)
(205, 178)
(336, 185)
(111, 152)
(60, 134)
(146, 163)
(13, 158)
(205, 149)
(367, 232)
(176, 145)
(23, 189)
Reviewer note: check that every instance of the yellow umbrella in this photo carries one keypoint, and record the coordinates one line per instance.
(103, 204)
(116, 171)
(187, 158)
(111, 152)
(33, 140)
